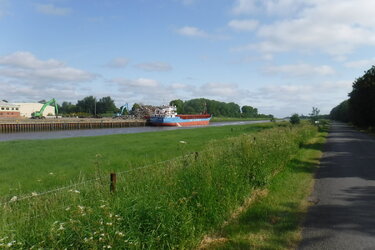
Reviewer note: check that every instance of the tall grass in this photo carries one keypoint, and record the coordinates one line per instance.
(163, 206)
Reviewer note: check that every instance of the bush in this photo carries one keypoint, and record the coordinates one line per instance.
(294, 119)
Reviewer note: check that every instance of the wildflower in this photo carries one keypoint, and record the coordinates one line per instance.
(81, 207)
(102, 206)
(14, 198)
(51, 173)
(67, 209)
(110, 215)
(74, 191)
(34, 193)
(121, 234)
(109, 223)
(183, 142)
(61, 228)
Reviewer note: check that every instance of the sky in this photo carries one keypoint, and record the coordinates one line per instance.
(280, 56)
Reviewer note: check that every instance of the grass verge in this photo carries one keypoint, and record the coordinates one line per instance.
(38, 165)
(273, 221)
(165, 206)
(234, 119)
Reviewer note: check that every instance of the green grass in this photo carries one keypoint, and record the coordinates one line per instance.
(273, 222)
(171, 205)
(37, 165)
(233, 119)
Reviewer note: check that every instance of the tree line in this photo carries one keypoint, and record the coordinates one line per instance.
(216, 108)
(359, 109)
(91, 106)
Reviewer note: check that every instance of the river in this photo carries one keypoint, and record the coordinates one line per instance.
(109, 131)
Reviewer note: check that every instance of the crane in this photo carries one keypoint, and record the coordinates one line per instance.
(39, 114)
(122, 110)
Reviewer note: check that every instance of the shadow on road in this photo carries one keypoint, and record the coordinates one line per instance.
(344, 214)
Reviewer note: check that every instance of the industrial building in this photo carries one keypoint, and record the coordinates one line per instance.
(26, 109)
(23, 110)
(9, 110)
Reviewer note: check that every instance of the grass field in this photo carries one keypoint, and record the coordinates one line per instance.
(273, 221)
(34, 166)
(233, 119)
(171, 205)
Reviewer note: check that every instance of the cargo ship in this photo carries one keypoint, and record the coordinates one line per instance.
(167, 116)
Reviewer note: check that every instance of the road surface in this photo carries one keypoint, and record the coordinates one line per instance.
(343, 214)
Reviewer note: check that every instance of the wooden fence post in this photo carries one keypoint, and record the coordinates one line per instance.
(113, 182)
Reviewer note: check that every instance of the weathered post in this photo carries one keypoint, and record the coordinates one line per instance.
(113, 183)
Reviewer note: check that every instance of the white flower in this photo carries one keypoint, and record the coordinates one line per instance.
(34, 193)
(183, 142)
(14, 198)
(74, 191)
(51, 173)
(121, 234)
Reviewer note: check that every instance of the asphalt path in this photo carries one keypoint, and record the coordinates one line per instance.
(343, 212)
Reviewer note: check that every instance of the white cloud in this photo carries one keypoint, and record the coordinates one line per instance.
(138, 83)
(364, 64)
(243, 25)
(179, 86)
(192, 32)
(294, 98)
(335, 27)
(119, 62)
(27, 78)
(244, 7)
(298, 70)
(154, 66)
(50, 9)
(26, 67)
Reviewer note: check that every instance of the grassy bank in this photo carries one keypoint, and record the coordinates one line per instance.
(273, 221)
(234, 119)
(38, 165)
(165, 206)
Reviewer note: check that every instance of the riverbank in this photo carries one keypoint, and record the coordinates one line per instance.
(167, 205)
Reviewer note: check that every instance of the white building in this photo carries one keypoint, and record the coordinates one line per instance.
(27, 108)
(8, 110)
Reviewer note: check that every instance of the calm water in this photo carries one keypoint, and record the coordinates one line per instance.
(108, 131)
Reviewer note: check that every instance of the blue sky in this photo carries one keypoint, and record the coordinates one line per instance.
(281, 56)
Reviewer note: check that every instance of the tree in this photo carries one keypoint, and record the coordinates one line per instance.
(248, 111)
(294, 119)
(314, 116)
(179, 105)
(105, 105)
(67, 108)
(362, 99)
(87, 105)
(341, 112)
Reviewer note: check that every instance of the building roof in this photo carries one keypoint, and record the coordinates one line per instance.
(7, 104)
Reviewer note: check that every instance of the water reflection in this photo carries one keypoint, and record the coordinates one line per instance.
(97, 132)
